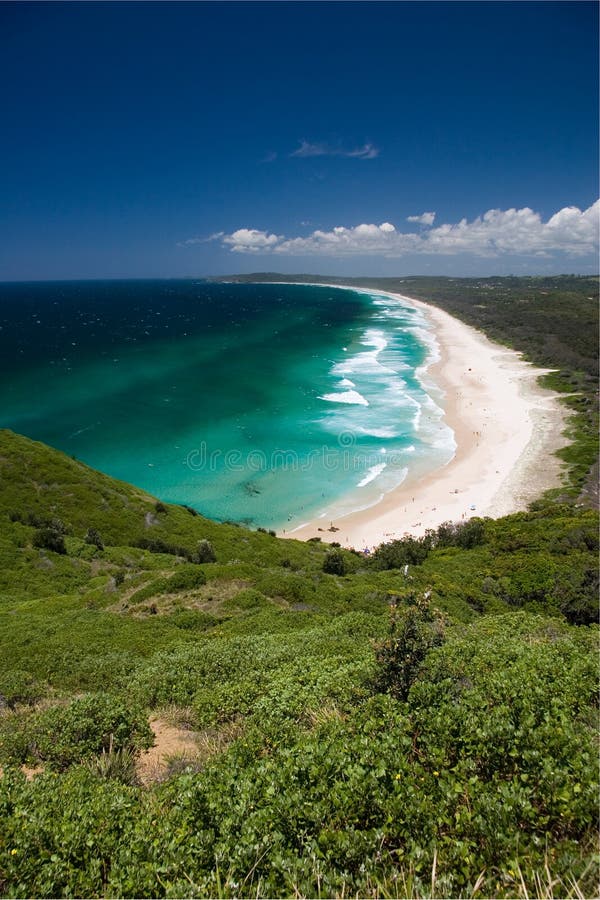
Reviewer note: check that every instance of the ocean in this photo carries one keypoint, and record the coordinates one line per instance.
(265, 404)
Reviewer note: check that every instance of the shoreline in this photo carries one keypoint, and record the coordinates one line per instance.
(506, 427)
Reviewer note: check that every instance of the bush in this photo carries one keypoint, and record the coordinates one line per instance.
(93, 537)
(246, 599)
(205, 553)
(413, 551)
(578, 598)
(334, 563)
(185, 579)
(18, 687)
(465, 535)
(64, 735)
(50, 539)
(193, 620)
(401, 656)
(156, 545)
(397, 554)
(119, 765)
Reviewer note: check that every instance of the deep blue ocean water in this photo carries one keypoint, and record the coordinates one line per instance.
(267, 404)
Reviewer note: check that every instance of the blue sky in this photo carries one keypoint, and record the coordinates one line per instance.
(182, 139)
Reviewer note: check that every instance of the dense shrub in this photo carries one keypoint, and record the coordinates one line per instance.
(93, 537)
(186, 578)
(50, 539)
(18, 687)
(413, 551)
(584, 537)
(465, 535)
(488, 767)
(63, 835)
(413, 633)
(578, 597)
(63, 735)
(193, 619)
(334, 563)
(204, 553)
(246, 599)
(37, 520)
(396, 554)
(156, 545)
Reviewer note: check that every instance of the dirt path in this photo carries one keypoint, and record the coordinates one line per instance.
(169, 741)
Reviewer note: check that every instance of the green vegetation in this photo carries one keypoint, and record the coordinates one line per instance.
(63, 735)
(362, 728)
(421, 722)
(334, 563)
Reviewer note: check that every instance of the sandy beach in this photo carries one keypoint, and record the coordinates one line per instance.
(506, 429)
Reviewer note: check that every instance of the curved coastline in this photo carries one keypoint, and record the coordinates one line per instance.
(506, 426)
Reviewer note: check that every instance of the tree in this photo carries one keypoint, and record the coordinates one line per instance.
(401, 655)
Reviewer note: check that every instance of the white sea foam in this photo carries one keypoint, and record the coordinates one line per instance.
(396, 393)
(372, 474)
(352, 397)
(382, 401)
(376, 432)
(355, 502)
(361, 364)
(365, 363)
(375, 338)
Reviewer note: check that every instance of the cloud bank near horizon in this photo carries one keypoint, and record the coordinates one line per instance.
(497, 232)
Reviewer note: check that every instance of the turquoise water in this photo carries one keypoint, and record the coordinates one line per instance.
(261, 403)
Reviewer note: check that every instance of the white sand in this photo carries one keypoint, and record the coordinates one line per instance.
(506, 429)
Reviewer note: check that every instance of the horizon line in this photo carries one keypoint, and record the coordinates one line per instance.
(287, 275)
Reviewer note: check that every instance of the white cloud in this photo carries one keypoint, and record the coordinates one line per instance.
(367, 151)
(249, 240)
(202, 240)
(426, 218)
(497, 232)
(306, 149)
